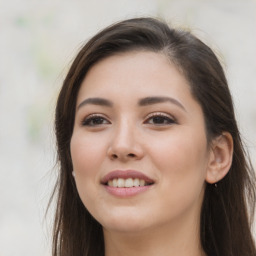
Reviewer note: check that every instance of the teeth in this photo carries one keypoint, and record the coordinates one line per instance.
(136, 182)
(114, 183)
(126, 183)
(142, 183)
(120, 183)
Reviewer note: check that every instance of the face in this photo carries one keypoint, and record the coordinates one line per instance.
(139, 147)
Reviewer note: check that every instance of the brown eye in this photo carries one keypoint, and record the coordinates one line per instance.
(160, 119)
(94, 121)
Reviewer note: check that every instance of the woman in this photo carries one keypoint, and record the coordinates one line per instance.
(151, 161)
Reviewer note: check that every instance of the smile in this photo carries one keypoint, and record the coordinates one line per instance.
(127, 183)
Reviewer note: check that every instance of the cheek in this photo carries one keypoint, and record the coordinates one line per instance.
(182, 158)
(181, 161)
(86, 153)
(86, 158)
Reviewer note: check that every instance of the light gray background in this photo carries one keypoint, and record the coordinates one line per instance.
(38, 40)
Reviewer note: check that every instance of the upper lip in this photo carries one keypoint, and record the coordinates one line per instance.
(125, 174)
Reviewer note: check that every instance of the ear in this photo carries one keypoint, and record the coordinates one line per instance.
(220, 160)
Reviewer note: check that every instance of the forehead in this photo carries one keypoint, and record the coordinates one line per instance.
(134, 72)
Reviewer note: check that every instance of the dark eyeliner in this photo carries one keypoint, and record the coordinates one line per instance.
(170, 120)
(98, 119)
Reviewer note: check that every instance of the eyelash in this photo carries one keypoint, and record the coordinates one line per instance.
(88, 121)
(94, 117)
(164, 117)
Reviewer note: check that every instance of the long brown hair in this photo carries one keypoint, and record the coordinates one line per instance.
(227, 210)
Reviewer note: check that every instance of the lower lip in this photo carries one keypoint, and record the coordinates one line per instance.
(126, 192)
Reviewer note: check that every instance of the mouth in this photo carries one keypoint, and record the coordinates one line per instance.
(126, 179)
(127, 183)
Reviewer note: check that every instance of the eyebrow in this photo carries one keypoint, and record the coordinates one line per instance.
(96, 101)
(155, 100)
(142, 102)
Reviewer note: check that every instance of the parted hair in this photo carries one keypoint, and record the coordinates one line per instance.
(227, 211)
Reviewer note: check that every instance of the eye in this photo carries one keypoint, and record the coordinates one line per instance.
(94, 120)
(160, 119)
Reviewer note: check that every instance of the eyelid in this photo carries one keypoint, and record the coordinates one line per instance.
(91, 116)
(161, 114)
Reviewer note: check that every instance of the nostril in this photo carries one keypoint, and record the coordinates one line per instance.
(114, 156)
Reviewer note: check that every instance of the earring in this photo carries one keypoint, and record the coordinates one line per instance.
(215, 185)
(73, 173)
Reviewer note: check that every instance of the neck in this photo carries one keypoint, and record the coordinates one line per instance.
(164, 240)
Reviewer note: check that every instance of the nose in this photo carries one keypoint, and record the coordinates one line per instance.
(124, 144)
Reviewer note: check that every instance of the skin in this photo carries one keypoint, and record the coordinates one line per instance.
(171, 149)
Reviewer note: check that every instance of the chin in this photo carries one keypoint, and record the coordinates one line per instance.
(124, 222)
(125, 227)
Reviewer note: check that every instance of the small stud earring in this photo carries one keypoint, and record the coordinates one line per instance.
(73, 173)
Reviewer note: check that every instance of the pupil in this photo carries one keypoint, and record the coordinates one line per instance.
(97, 120)
(158, 120)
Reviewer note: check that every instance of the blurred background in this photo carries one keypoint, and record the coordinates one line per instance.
(39, 39)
